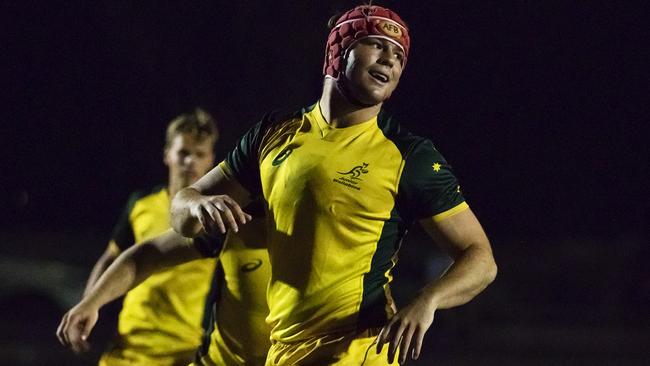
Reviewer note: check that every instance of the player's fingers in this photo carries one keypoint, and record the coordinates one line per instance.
(72, 333)
(394, 340)
(242, 216)
(77, 346)
(215, 219)
(228, 216)
(381, 338)
(60, 334)
(79, 334)
(204, 219)
(84, 346)
(66, 330)
(379, 343)
(418, 338)
(86, 328)
(405, 344)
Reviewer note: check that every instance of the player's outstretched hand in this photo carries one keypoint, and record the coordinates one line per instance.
(406, 329)
(75, 327)
(219, 212)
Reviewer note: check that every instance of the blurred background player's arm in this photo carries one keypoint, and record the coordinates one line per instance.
(107, 258)
(123, 237)
(128, 270)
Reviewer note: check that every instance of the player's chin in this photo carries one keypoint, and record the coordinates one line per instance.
(381, 93)
(189, 178)
(372, 95)
(376, 97)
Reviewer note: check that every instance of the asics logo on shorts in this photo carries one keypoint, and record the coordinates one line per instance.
(251, 266)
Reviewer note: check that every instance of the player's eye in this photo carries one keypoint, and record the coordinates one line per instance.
(372, 43)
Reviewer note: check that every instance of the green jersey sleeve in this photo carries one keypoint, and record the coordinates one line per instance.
(243, 160)
(428, 186)
(123, 235)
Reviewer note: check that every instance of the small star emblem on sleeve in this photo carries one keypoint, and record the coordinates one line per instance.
(436, 167)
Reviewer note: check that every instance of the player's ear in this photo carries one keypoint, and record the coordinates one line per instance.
(165, 156)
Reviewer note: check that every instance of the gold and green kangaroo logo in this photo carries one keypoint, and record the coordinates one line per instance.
(355, 172)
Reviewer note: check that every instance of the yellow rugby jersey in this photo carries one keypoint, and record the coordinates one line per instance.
(160, 320)
(239, 334)
(339, 200)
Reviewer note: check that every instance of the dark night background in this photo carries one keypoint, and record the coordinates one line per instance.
(541, 107)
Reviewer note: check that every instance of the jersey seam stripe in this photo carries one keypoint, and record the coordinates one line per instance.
(451, 212)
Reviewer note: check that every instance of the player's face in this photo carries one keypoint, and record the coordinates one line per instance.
(373, 69)
(189, 158)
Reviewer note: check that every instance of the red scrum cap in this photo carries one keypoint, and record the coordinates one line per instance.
(358, 23)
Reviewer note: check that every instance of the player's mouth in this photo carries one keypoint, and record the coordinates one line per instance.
(379, 76)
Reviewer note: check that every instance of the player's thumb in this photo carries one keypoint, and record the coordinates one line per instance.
(87, 328)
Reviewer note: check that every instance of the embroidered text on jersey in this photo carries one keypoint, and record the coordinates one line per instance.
(352, 178)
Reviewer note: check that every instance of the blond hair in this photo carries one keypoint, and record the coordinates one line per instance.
(199, 123)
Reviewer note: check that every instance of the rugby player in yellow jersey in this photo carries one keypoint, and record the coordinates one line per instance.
(160, 323)
(342, 183)
(238, 334)
(161, 319)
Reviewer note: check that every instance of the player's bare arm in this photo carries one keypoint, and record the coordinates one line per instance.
(212, 203)
(462, 237)
(105, 260)
(130, 269)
